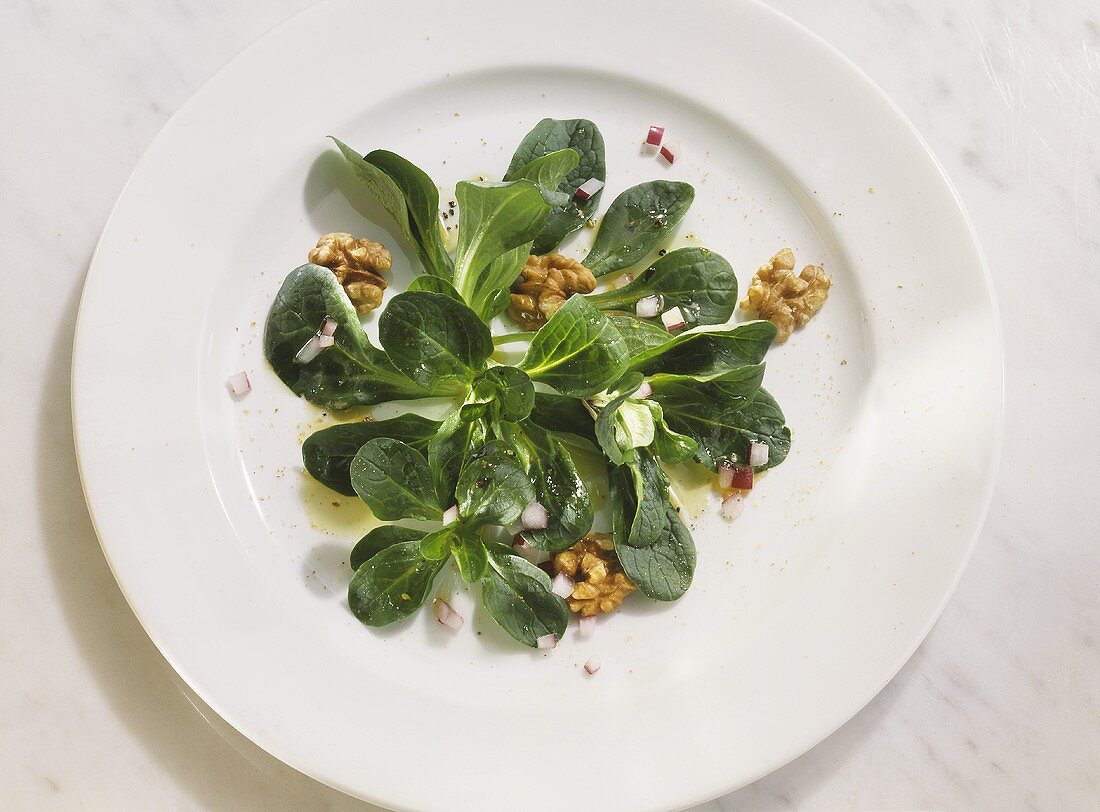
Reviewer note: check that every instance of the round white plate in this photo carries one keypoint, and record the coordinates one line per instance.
(800, 612)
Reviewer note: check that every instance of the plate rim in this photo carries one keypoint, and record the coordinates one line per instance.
(991, 467)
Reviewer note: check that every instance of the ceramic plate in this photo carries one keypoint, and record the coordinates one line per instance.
(801, 611)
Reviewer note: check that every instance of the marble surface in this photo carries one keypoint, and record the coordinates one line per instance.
(999, 709)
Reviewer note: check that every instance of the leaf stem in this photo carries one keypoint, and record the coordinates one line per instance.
(508, 338)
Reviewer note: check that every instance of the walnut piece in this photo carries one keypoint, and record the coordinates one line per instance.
(358, 266)
(786, 300)
(544, 285)
(600, 583)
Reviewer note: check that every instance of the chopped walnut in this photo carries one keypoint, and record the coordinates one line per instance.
(601, 583)
(358, 265)
(786, 300)
(544, 285)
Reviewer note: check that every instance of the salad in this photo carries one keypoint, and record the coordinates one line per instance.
(647, 372)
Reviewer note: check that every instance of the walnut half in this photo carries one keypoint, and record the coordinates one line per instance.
(544, 285)
(786, 300)
(358, 266)
(600, 583)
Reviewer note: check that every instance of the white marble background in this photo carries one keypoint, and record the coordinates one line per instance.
(999, 709)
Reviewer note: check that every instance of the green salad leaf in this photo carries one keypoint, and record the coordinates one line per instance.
(707, 352)
(411, 198)
(636, 222)
(698, 281)
(493, 487)
(518, 596)
(552, 135)
(378, 540)
(578, 351)
(394, 480)
(392, 584)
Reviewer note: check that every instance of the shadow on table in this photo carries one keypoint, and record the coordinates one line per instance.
(207, 758)
(210, 760)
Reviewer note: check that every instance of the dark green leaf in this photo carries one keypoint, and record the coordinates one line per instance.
(508, 389)
(566, 417)
(434, 339)
(517, 594)
(548, 136)
(379, 539)
(470, 555)
(437, 546)
(449, 451)
(394, 480)
(640, 335)
(578, 351)
(624, 424)
(708, 352)
(493, 487)
(723, 415)
(663, 570)
(559, 489)
(392, 584)
(669, 445)
(548, 171)
(409, 196)
(422, 199)
(698, 281)
(495, 218)
(328, 453)
(636, 222)
(433, 284)
(353, 372)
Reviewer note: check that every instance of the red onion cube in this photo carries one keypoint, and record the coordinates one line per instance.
(324, 341)
(547, 641)
(450, 515)
(742, 477)
(446, 615)
(239, 385)
(587, 627)
(673, 319)
(589, 188)
(310, 350)
(654, 136)
(758, 454)
(562, 585)
(733, 506)
(725, 475)
(669, 153)
(534, 517)
(592, 666)
(648, 307)
(328, 326)
(643, 391)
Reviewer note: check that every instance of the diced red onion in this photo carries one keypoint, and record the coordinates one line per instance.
(733, 506)
(654, 136)
(310, 350)
(239, 385)
(534, 517)
(324, 341)
(648, 307)
(669, 153)
(446, 615)
(643, 391)
(742, 477)
(587, 627)
(547, 641)
(725, 475)
(592, 666)
(562, 585)
(328, 326)
(673, 319)
(758, 454)
(623, 280)
(589, 188)
(450, 515)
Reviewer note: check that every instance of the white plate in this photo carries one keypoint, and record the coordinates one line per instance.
(801, 611)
